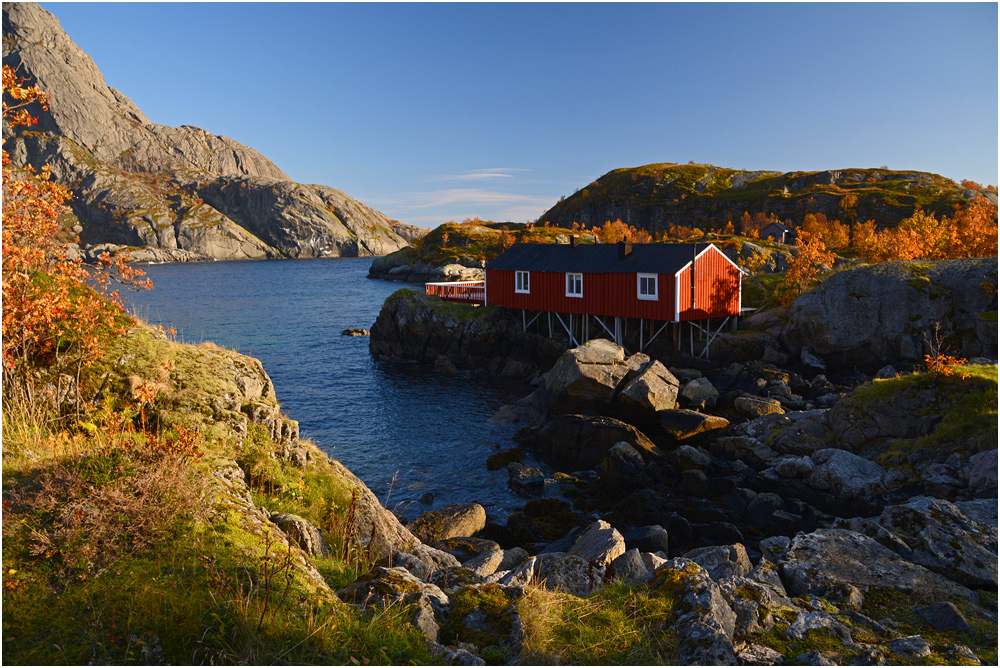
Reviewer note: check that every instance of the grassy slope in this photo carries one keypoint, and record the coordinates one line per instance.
(211, 582)
(704, 193)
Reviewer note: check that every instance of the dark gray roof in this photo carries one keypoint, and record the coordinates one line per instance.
(596, 258)
(777, 225)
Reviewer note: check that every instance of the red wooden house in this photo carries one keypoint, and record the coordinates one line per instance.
(650, 283)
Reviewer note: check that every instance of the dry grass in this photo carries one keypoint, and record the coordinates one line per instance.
(93, 509)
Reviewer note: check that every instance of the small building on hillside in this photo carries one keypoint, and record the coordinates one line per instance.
(610, 285)
(780, 233)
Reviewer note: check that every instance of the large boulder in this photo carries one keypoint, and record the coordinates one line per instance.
(599, 544)
(938, 536)
(581, 441)
(887, 312)
(705, 622)
(459, 520)
(682, 423)
(584, 379)
(559, 571)
(652, 389)
(828, 561)
(303, 532)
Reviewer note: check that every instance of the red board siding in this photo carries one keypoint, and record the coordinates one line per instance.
(717, 288)
(611, 295)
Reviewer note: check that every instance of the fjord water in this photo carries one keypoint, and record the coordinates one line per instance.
(402, 428)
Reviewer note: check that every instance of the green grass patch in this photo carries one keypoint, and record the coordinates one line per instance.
(618, 625)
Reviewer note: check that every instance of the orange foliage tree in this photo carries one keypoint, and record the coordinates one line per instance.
(832, 233)
(57, 313)
(971, 232)
(805, 266)
(613, 232)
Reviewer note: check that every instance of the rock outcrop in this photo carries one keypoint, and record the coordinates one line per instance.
(171, 194)
(417, 327)
(879, 315)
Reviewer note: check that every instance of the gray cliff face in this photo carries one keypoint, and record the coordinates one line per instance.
(175, 193)
(889, 312)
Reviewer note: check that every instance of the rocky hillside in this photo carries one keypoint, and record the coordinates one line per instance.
(659, 195)
(173, 194)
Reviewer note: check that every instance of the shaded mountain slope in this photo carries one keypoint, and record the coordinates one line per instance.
(172, 193)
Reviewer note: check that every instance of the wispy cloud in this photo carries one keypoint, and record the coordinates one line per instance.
(484, 174)
(472, 196)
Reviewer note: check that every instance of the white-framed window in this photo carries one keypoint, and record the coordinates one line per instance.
(522, 282)
(574, 285)
(648, 286)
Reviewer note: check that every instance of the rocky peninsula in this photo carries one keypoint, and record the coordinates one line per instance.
(793, 518)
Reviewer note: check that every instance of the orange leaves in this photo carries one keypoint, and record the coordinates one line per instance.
(52, 315)
(806, 265)
(971, 232)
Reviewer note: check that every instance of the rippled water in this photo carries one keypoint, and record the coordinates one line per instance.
(383, 420)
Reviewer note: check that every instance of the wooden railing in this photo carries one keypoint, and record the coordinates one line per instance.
(463, 292)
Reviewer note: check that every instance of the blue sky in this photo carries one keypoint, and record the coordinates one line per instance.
(437, 112)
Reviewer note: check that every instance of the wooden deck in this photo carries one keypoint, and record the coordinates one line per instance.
(462, 292)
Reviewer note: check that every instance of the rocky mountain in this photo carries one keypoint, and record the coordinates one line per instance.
(169, 193)
(659, 195)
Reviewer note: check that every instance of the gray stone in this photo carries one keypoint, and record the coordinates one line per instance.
(410, 562)
(463, 519)
(982, 474)
(754, 603)
(824, 561)
(888, 371)
(814, 621)
(753, 407)
(758, 655)
(623, 469)
(435, 558)
(682, 424)
(946, 541)
(512, 558)
(653, 538)
(585, 378)
(600, 543)
(525, 480)
(846, 475)
(721, 561)
(813, 658)
(700, 393)
(944, 616)
(629, 566)
(303, 533)
(485, 564)
(692, 458)
(652, 560)
(569, 573)
(522, 575)
(902, 299)
(706, 623)
(812, 361)
(651, 390)
(910, 647)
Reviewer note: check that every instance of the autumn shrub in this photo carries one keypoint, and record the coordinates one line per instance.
(970, 232)
(91, 510)
(810, 260)
(57, 313)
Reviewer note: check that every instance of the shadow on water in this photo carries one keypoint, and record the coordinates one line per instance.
(403, 428)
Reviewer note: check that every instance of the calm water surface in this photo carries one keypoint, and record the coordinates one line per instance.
(402, 428)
